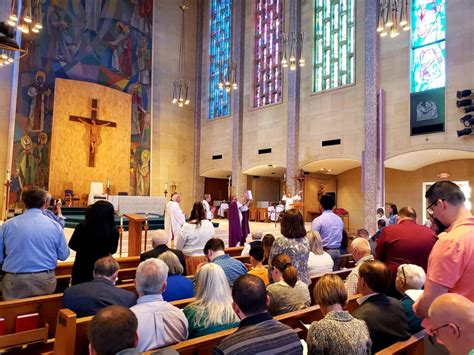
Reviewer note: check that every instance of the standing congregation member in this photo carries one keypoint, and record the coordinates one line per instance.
(451, 323)
(159, 322)
(451, 262)
(330, 227)
(293, 243)
(404, 243)
(174, 217)
(87, 298)
(392, 213)
(338, 333)
(257, 332)
(212, 310)
(30, 246)
(383, 315)
(319, 262)
(214, 252)
(287, 293)
(207, 207)
(158, 243)
(57, 215)
(193, 237)
(92, 239)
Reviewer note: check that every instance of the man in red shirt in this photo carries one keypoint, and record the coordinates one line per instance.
(404, 243)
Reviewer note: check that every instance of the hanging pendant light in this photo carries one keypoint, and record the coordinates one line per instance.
(394, 15)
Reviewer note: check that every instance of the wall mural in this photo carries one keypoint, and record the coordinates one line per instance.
(108, 42)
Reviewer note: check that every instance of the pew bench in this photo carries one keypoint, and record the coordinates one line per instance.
(412, 346)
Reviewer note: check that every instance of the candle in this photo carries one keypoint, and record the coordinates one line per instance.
(166, 186)
(8, 175)
(108, 182)
(121, 223)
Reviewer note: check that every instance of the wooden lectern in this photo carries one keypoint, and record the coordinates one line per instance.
(134, 233)
(298, 206)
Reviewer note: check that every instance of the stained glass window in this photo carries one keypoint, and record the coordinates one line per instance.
(220, 45)
(268, 51)
(428, 45)
(334, 44)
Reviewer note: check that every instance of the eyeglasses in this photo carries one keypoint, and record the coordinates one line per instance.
(434, 332)
(429, 210)
(404, 276)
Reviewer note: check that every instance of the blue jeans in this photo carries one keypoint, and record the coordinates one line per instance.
(336, 257)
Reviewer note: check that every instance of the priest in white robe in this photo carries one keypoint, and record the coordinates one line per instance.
(207, 207)
(174, 217)
(290, 200)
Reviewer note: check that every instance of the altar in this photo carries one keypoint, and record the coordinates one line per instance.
(154, 205)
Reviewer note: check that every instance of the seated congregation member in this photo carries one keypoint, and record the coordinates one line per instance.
(158, 243)
(287, 293)
(30, 246)
(92, 239)
(86, 298)
(451, 323)
(338, 333)
(256, 259)
(319, 262)
(293, 243)
(178, 287)
(212, 310)
(159, 322)
(193, 237)
(257, 332)
(383, 315)
(267, 242)
(360, 250)
(253, 240)
(404, 243)
(214, 252)
(410, 277)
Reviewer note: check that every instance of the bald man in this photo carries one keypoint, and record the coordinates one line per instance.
(451, 323)
(361, 252)
(159, 247)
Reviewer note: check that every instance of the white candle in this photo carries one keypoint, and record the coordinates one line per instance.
(8, 175)
(166, 186)
(121, 223)
(108, 182)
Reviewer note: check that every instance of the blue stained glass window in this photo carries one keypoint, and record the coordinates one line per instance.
(428, 55)
(268, 52)
(220, 46)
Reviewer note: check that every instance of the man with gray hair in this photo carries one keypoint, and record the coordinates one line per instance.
(159, 322)
(360, 249)
(87, 298)
(56, 215)
(159, 247)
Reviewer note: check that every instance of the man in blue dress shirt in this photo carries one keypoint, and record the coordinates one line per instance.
(30, 246)
(329, 226)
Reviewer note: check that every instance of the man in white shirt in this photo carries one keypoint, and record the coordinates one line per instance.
(206, 201)
(159, 322)
(289, 201)
(174, 217)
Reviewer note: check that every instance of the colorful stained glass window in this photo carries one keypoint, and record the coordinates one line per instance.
(428, 55)
(268, 51)
(220, 46)
(334, 44)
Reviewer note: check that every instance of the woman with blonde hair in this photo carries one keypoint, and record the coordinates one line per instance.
(212, 311)
(178, 287)
(319, 262)
(287, 293)
(338, 333)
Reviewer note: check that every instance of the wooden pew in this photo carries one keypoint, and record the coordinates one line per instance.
(412, 346)
(65, 268)
(71, 332)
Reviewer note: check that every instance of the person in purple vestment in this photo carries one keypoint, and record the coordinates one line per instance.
(235, 226)
(244, 210)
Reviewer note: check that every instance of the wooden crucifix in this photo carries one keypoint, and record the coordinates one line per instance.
(94, 125)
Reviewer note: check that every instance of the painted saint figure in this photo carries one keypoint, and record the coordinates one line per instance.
(144, 61)
(26, 162)
(92, 14)
(143, 184)
(38, 93)
(122, 51)
(138, 112)
(40, 154)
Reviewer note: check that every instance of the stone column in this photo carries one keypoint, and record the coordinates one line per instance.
(292, 167)
(239, 180)
(370, 158)
(198, 180)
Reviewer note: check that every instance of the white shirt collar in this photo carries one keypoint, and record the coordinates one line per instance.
(365, 298)
(365, 258)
